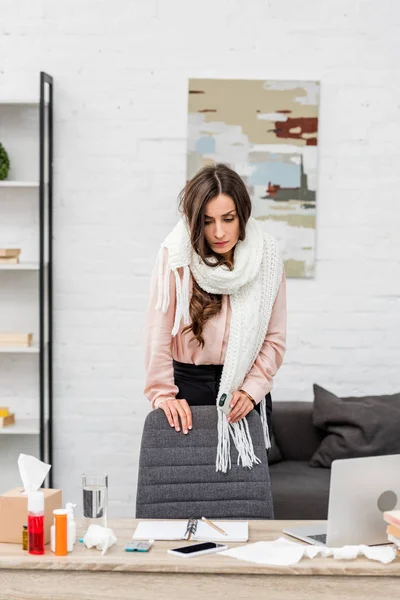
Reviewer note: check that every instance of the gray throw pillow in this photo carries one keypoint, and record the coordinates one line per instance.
(355, 426)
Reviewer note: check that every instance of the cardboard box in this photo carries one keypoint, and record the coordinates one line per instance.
(14, 513)
(7, 421)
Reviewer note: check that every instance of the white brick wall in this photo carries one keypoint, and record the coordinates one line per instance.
(121, 73)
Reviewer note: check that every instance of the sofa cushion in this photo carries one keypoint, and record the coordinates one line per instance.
(299, 491)
(355, 426)
(294, 432)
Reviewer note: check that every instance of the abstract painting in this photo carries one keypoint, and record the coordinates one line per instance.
(266, 131)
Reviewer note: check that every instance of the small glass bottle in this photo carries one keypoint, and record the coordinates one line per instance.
(25, 537)
(36, 522)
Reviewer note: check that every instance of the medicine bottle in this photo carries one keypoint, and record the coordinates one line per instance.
(60, 532)
(36, 522)
(25, 537)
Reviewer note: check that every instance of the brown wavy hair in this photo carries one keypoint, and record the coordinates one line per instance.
(209, 182)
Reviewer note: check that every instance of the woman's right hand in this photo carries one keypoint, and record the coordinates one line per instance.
(178, 410)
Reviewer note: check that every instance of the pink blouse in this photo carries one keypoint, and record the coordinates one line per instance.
(161, 348)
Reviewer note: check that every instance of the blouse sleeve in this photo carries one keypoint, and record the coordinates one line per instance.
(159, 382)
(260, 377)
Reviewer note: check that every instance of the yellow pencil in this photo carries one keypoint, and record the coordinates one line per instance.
(211, 524)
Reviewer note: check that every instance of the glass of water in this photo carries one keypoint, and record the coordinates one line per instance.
(95, 499)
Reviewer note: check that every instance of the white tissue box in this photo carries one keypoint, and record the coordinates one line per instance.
(14, 513)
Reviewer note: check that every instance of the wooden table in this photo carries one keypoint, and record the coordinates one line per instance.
(86, 575)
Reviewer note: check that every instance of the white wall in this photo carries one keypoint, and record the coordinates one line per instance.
(121, 73)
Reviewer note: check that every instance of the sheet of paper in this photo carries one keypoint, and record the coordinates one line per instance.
(238, 531)
(160, 530)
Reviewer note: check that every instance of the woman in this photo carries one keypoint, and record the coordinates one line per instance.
(217, 317)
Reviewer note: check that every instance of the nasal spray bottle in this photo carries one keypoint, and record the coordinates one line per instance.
(71, 525)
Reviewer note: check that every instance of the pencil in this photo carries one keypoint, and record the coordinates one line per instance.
(211, 524)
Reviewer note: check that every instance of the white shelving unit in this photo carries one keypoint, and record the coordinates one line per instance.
(26, 223)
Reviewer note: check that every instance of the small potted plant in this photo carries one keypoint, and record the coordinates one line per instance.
(4, 163)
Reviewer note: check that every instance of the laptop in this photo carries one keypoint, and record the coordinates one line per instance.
(361, 489)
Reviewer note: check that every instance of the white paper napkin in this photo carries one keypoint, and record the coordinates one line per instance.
(285, 552)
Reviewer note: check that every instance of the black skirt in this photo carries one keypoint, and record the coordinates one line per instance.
(198, 385)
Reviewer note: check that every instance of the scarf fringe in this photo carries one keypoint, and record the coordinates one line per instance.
(185, 295)
(179, 305)
(241, 437)
(182, 292)
(223, 460)
(263, 413)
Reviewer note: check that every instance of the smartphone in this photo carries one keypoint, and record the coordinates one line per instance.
(197, 549)
(224, 403)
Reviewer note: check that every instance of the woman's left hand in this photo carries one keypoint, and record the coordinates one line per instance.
(241, 406)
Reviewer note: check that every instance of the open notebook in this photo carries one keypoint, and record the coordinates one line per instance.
(237, 531)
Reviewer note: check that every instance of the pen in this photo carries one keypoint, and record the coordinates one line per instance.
(213, 525)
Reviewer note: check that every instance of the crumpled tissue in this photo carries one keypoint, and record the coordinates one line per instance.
(100, 537)
(284, 552)
(32, 472)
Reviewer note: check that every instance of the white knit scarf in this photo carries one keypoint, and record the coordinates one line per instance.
(252, 286)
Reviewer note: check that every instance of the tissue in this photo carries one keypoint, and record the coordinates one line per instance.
(100, 537)
(285, 552)
(32, 472)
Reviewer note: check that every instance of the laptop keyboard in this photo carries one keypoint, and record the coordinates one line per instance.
(321, 537)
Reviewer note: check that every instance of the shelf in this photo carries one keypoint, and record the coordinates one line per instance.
(18, 184)
(21, 102)
(27, 266)
(22, 427)
(34, 349)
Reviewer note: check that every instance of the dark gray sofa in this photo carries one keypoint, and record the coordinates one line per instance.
(298, 490)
